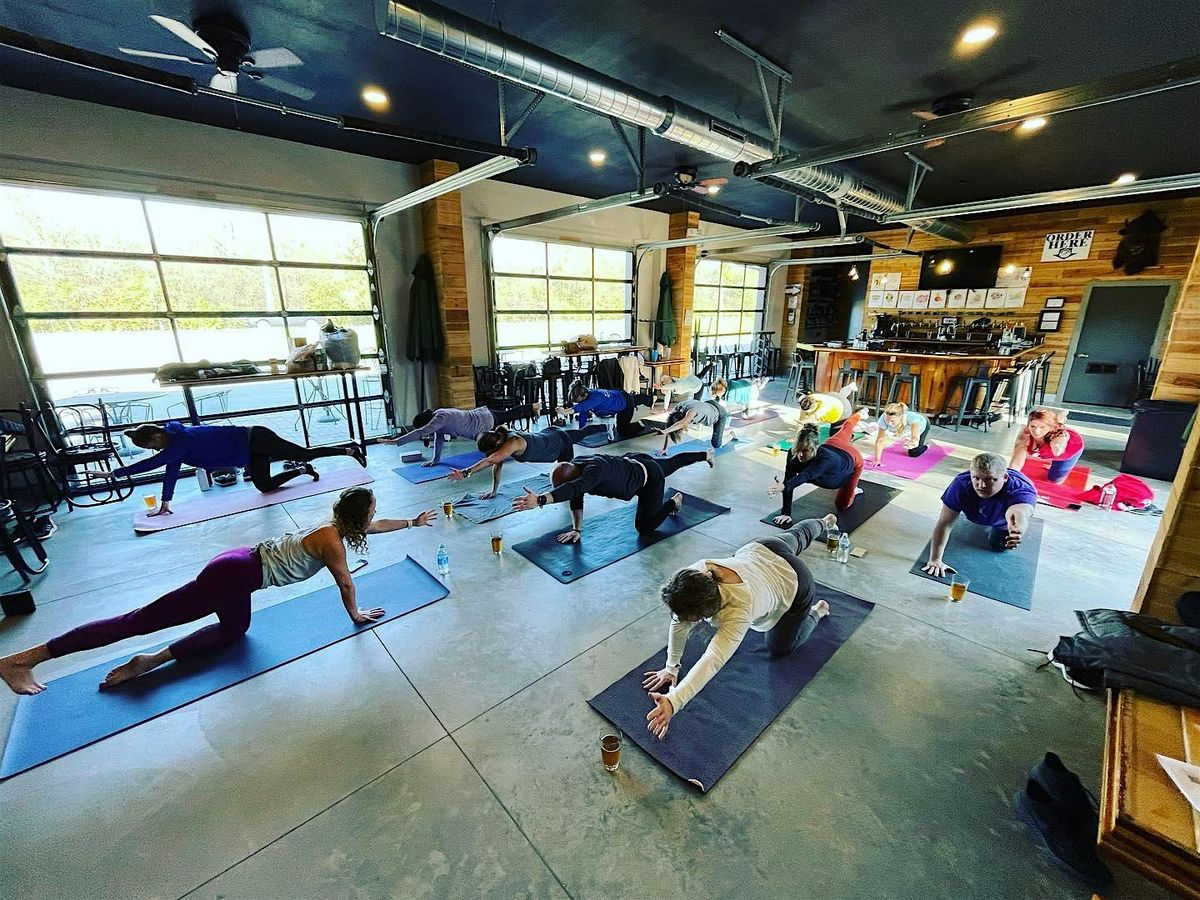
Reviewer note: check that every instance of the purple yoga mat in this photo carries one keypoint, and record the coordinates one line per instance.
(896, 460)
(220, 502)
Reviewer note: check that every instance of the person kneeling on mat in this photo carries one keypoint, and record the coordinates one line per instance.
(224, 447)
(463, 423)
(898, 421)
(834, 465)
(224, 587)
(990, 494)
(702, 412)
(763, 587)
(587, 402)
(548, 445)
(619, 477)
(1046, 436)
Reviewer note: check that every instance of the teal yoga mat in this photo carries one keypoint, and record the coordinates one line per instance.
(72, 712)
(1004, 575)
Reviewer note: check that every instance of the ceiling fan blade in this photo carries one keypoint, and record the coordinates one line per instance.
(174, 57)
(286, 87)
(186, 34)
(906, 105)
(925, 115)
(1004, 74)
(223, 82)
(274, 58)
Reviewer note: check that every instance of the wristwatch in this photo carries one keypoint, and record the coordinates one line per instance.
(541, 499)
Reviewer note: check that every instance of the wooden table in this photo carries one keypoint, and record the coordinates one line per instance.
(1145, 822)
(940, 373)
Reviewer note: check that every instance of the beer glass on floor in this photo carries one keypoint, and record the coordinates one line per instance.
(610, 750)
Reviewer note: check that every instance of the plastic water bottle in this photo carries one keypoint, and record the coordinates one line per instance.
(443, 560)
(843, 549)
(1108, 495)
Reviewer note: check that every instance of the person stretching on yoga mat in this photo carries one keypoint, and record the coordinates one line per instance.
(990, 494)
(898, 421)
(826, 407)
(1046, 436)
(834, 465)
(587, 402)
(549, 445)
(763, 587)
(619, 477)
(744, 392)
(224, 587)
(224, 447)
(463, 423)
(701, 412)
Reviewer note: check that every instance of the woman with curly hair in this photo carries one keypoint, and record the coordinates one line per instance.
(224, 587)
(1047, 436)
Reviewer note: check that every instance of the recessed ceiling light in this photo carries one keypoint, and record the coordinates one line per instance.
(375, 97)
(978, 34)
(1125, 178)
(945, 267)
(1032, 124)
(597, 157)
(714, 189)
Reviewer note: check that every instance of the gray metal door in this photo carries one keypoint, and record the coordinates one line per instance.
(1117, 333)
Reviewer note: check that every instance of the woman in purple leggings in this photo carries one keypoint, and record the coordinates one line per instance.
(224, 587)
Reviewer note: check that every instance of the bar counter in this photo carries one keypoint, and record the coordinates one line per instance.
(941, 373)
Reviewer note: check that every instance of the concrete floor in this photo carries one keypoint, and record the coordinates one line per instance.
(451, 752)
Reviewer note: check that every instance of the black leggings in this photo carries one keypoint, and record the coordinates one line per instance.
(922, 442)
(267, 447)
(504, 416)
(652, 511)
(796, 625)
(625, 426)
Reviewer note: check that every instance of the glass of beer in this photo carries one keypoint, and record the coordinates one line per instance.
(610, 750)
(832, 536)
(151, 500)
(958, 587)
(497, 541)
(447, 507)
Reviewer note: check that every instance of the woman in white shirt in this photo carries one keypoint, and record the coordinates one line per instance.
(898, 422)
(763, 587)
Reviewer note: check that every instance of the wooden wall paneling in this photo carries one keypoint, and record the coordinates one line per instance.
(681, 269)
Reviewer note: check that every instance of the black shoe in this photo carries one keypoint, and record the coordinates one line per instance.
(43, 529)
(1071, 844)
(358, 454)
(226, 479)
(289, 464)
(1067, 790)
(316, 476)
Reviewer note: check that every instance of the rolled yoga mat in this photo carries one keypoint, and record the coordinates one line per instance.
(818, 503)
(1067, 494)
(476, 510)
(610, 537)
(720, 723)
(896, 460)
(419, 473)
(219, 502)
(1004, 575)
(73, 712)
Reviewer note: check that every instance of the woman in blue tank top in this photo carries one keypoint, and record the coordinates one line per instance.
(499, 444)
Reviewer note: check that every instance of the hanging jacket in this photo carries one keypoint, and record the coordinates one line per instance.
(609, 376)
(1131, 650)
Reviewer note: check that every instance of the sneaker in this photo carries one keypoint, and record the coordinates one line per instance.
(1067, 677)
(1070, 845)
(1067, 790)
(289, 464)
(44, 528)
(226, 479)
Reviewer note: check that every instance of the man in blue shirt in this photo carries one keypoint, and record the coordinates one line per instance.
(990, 494)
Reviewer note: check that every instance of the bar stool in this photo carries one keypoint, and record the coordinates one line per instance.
(872, 384)
(802, 374)
(1043, 376)
(971, 384)
(844, 376)
(913, 380)
(1010, 381)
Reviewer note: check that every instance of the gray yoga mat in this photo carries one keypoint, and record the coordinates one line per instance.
(610, 537)
(819, 503)
(477, 510)
(595, 441)
(1007, 575)
(742, 700)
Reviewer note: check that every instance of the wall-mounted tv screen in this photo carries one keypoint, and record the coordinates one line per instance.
(960, 267)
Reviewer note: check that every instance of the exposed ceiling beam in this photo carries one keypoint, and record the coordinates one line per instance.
(823, 260)
(849, 239)
(578, 209)
(736, 237)
(487, 169)
(1169, 76)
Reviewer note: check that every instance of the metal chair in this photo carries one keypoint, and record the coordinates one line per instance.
(906, 376)
(844, 376)
(970, 387)
(76, 443)
(38, 489)
(1044, 376)
(871, 384)
(15, 529)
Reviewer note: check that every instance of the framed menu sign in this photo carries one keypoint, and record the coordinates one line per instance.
(956, 299)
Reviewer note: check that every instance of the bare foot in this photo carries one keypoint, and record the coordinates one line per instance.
(139, 665)
(708, 458)
(678, 501)
(19, 676)
(820, 609)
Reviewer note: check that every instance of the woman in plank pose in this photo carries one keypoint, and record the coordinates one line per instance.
(224, 587)
(549, 445)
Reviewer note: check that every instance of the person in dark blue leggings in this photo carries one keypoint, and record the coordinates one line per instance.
(499, 444)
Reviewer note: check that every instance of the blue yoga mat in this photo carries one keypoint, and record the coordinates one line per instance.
(73, 712)
(819, 503)
(610, 537)
(1007, 575)
(417, 473)
(595, 441)
(703, 446)
(748, 694)
(473, 509)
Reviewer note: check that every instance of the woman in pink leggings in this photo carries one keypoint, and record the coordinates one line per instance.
(224, 587)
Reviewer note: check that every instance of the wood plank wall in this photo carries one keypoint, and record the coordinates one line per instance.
(1179, 377)
(1022, 236)
(441, 226)
(789, 334)
(681, 269)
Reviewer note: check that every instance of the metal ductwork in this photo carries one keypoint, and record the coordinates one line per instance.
(452, 36)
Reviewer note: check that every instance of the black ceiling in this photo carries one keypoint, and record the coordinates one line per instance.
(849, 62)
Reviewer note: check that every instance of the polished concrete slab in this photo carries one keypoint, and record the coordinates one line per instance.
(451, 752)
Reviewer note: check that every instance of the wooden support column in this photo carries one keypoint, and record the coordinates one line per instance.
(1179, 375)
(792, 333)
(681, 269)
(441, 226)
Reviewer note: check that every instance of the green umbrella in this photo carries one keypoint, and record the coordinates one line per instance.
(664, 322)
(426, 340)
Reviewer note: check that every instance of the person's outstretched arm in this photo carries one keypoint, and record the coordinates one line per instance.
(332, 552)
(158, 460)
(383, 526)
(416, 434)
(1017, 516)
(937, 542)
(1020, 450)
(720, 647)
(497, 459)
(880, 438)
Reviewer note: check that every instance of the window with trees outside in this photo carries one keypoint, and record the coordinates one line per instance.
(728, 303)
(545, 293)
(104, 288)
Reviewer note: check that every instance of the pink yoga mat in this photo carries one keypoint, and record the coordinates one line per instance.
(220, 502)
(1066, 495)
(896, 460)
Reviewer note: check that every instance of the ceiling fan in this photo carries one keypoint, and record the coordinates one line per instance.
(947, 99)
(225, 44)
(686, 178)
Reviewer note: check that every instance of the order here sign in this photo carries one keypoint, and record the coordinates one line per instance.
(1064, 245)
